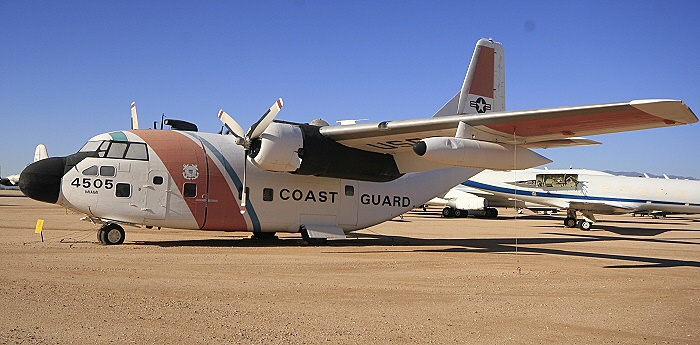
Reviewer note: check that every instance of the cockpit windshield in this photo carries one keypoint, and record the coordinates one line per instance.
(90, 146)
(117, 149)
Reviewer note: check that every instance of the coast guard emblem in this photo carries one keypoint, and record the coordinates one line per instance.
(190, 172)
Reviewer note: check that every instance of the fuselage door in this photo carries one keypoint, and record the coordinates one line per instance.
(349, 199)
(157, 195)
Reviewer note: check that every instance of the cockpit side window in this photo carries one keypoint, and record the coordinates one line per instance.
(107, 170)
(91, 171)
(117, 150)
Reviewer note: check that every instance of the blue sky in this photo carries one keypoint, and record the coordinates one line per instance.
(69, 69)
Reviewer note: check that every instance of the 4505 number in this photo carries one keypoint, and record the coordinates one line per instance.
(92, 183)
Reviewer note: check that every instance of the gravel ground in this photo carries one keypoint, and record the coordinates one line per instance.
(423, 279)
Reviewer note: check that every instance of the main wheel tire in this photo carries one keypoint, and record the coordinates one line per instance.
(585, 225)
(448, 212)
(459, 213)
(111, 234)
(570, 222)
(264, 236)
(491, 212)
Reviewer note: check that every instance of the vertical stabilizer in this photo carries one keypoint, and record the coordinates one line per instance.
(134, 117)
(484, 85)
(40, 153)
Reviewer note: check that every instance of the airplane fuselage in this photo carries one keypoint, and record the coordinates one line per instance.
(595, 191)
(193, 180)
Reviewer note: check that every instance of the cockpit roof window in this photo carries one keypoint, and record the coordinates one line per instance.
(91, 146)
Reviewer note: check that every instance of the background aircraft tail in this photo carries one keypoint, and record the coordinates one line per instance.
(484, 85)
(40, 152)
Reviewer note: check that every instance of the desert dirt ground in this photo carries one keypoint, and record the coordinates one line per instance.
(423, 279)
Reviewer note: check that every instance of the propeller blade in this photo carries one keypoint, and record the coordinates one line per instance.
(259, 127)
(134, 117)
(244, 194)
(231, 124)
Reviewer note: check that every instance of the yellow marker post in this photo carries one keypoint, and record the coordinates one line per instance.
(39, 228)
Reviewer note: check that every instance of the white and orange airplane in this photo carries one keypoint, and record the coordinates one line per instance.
(322, 181)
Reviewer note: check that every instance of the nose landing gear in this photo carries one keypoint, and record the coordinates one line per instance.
(111, 234)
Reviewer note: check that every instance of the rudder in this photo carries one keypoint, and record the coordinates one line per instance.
(483, 89)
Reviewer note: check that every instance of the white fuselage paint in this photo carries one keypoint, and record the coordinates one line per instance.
(295, 199)
(597, 191)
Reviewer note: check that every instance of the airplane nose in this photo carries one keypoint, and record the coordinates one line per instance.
(41, 180)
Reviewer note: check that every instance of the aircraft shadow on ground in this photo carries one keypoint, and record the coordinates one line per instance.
(489, 245)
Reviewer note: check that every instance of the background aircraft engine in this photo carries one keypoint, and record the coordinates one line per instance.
(464, 203)
(477, 154)
(277, 149)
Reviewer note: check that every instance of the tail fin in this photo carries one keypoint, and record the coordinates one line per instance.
(134, 117)
(484, 85)
(40, 152)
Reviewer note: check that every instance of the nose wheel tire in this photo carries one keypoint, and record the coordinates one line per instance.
(585, 225)
(111, 234)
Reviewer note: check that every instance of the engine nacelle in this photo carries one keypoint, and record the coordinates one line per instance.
(477, 154)
(467, 204)
(278, 147)
(302, 149)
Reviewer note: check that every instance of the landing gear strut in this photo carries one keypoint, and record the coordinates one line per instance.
(584, 224)
(111, 234)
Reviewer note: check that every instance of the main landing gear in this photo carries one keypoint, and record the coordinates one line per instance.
(111, 234)
(584, 224)
(449, 212)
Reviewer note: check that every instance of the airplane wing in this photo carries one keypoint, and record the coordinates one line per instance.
(605, 207)
(529, 127)
(567, 142)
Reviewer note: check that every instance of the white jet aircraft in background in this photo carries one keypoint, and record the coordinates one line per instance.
(13, 180)
(590, 192)
(319, 180)
(462, 201)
